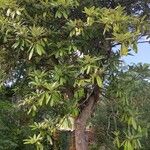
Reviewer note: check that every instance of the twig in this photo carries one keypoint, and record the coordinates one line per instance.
(144, 42)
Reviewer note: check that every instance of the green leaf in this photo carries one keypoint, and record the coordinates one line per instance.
(117, 142)
(29, 111)
(90, 21)
(124, 49)
(99, 81)
(48, 98)
(31, 53)
(135, 48)
(134, 123)
(65, 14)
(49, 140)
(39, 146)
(40, 49)
(88, 69)
(52, 101)
(130, 147)
(41, 99)
(15, 45)
(75, 112)
(58, 14)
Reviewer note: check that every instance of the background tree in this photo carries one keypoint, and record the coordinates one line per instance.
(124, 117)
(13, 122)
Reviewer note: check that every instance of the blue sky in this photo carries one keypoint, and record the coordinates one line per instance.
(143, 55)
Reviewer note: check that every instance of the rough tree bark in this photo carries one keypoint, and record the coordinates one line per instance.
(72, 141)
(81, 138)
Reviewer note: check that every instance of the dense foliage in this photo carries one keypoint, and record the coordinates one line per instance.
(57, 58)
(123, 111)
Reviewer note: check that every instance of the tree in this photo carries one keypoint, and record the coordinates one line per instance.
(122, 111)
(61, 52)
(13, 122)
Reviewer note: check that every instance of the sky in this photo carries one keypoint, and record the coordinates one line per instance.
(143, 55)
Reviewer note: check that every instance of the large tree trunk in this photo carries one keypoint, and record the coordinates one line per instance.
(72, 141)
(81, 138)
